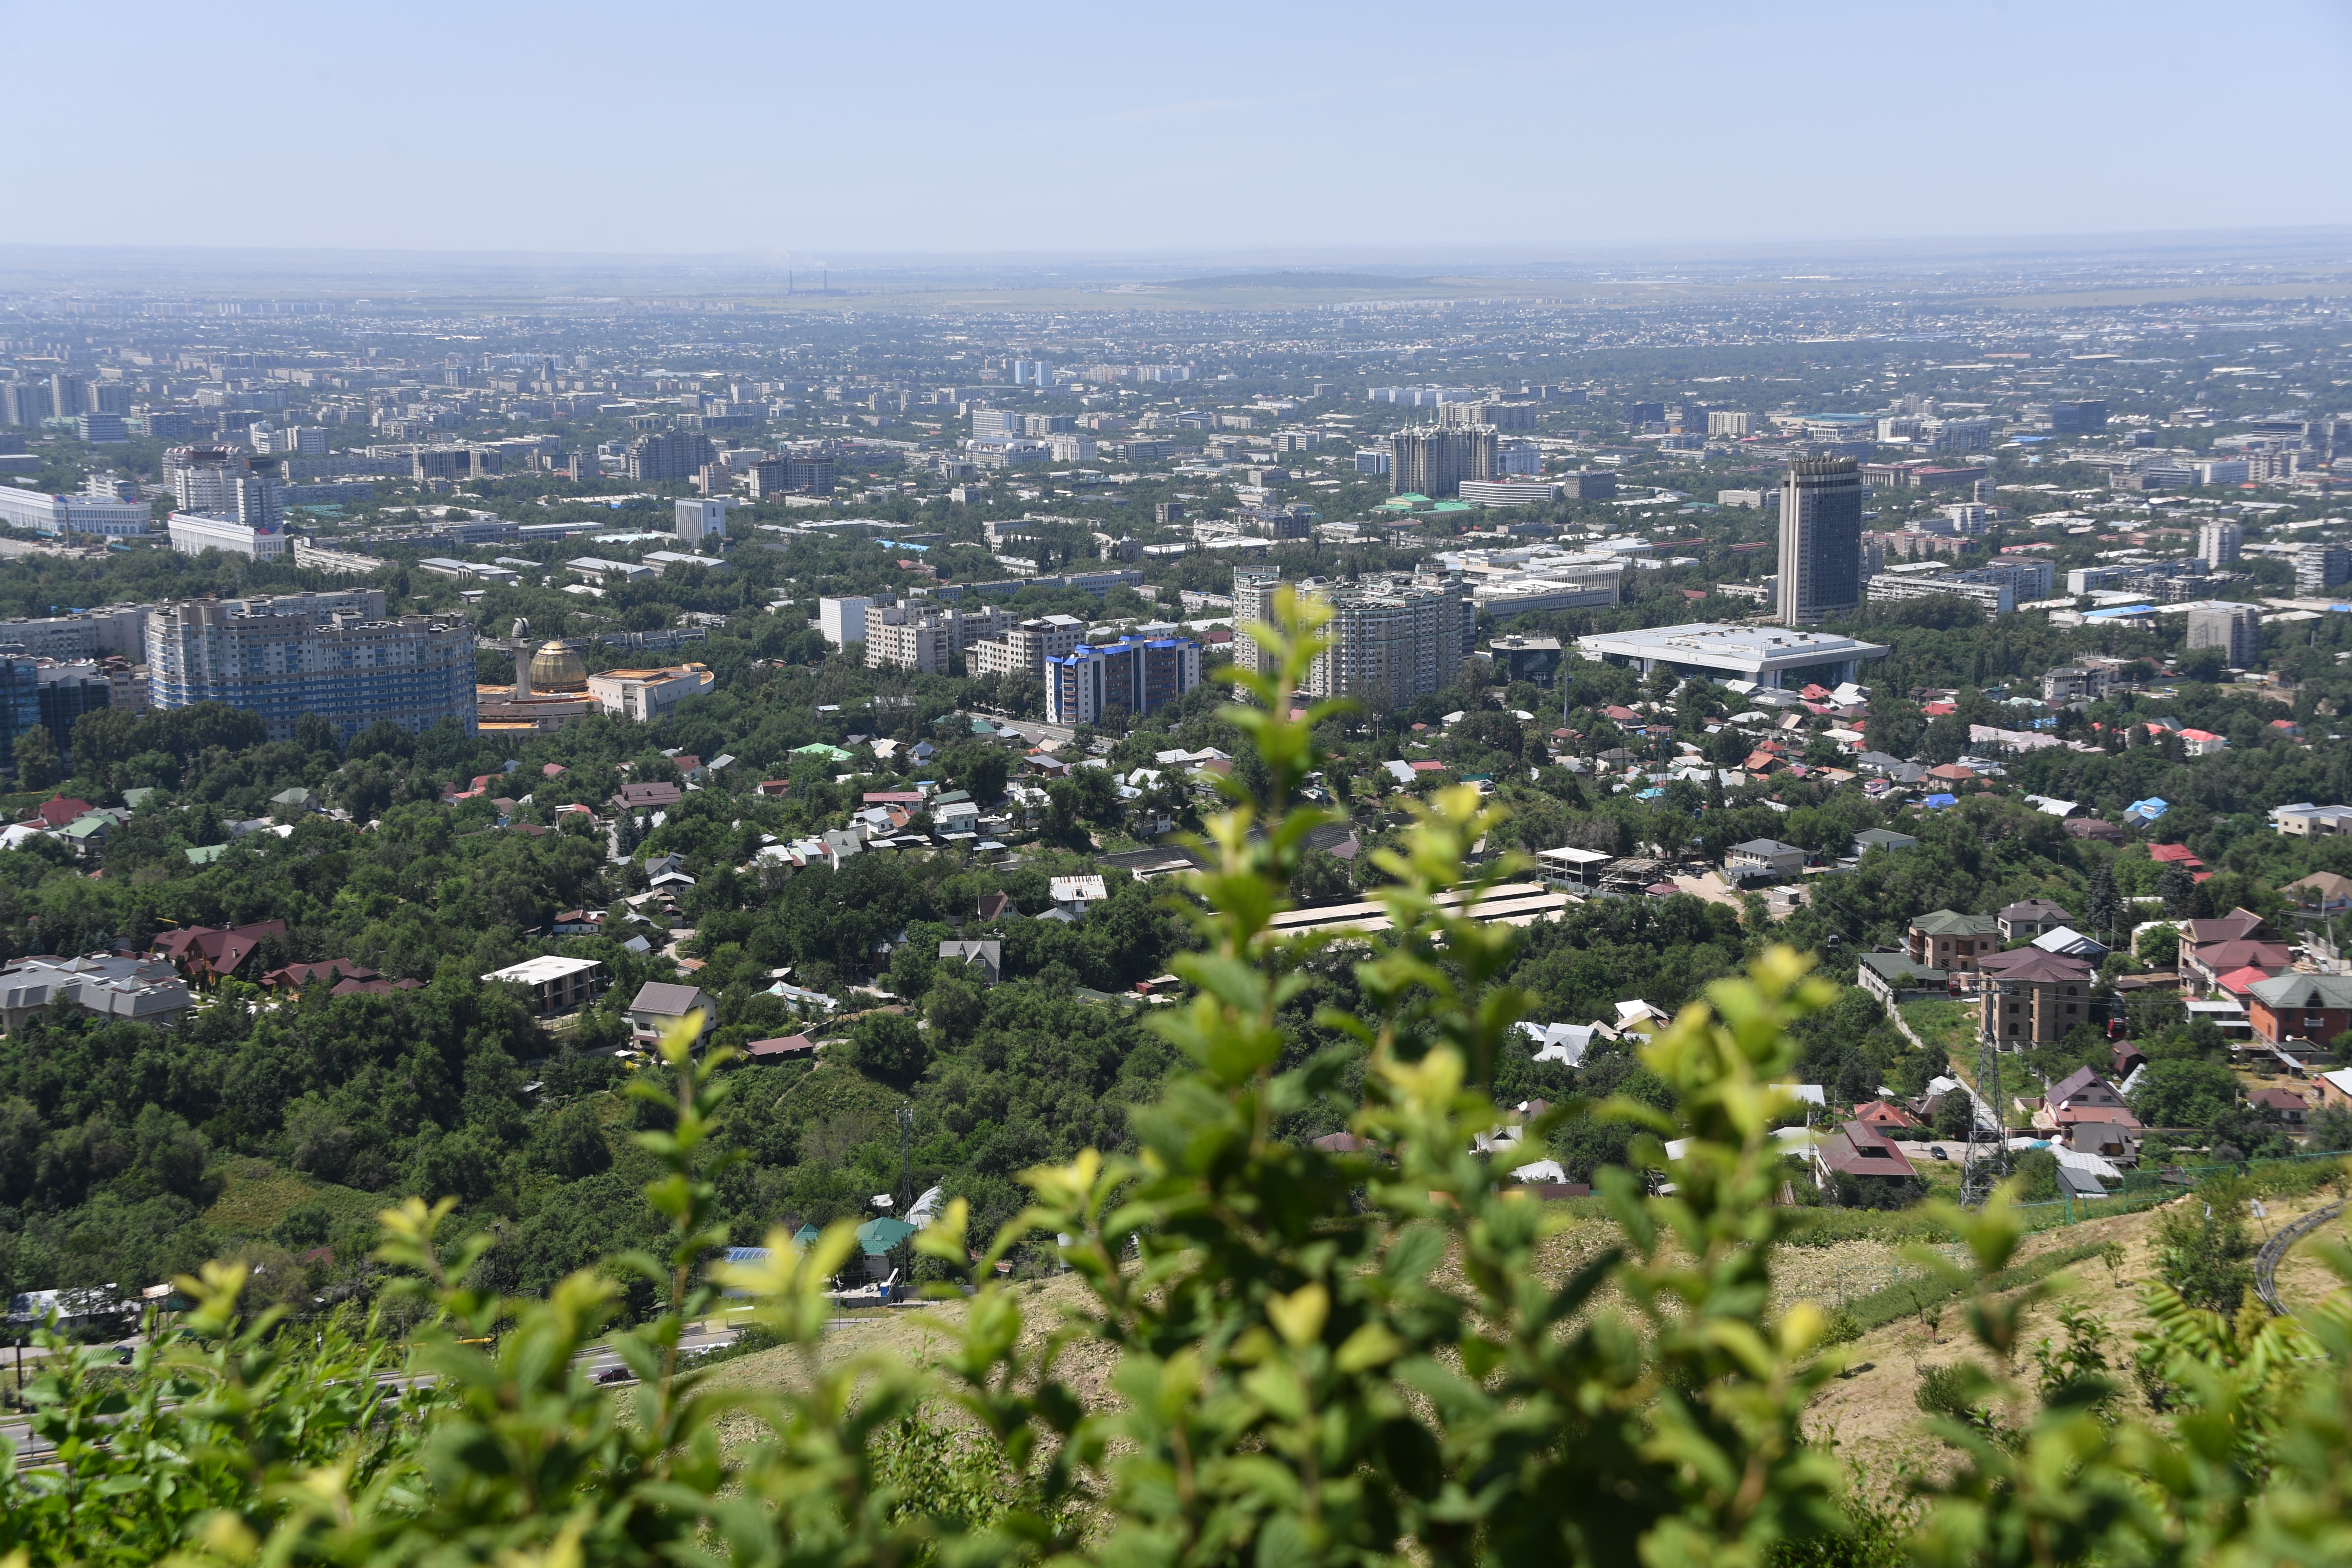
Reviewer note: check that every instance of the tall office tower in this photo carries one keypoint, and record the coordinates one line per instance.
(2235, 630)
(1434, 460)
(2218, 544)
(347, 669)
(1820, 540)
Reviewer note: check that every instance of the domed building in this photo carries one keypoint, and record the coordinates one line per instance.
(555, 668)
(550, 690)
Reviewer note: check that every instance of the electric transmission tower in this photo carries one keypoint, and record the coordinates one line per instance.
(1987, 1159)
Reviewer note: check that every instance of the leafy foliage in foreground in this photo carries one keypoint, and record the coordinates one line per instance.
(1318, 1358)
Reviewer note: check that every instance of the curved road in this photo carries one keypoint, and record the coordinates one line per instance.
(2266, 1261)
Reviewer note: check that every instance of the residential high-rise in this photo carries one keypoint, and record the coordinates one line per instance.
(1390, 640)
(668, 455)
(2218, 544)
(2319, 567)
(1820, 540)
(1133, 675)
(1023, 651)
(2235, 630)
(1434, 460)
(344, 669)
(23, 402)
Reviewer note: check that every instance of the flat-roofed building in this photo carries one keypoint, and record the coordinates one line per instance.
(648, 694)
(1777, 656)
(556, 984)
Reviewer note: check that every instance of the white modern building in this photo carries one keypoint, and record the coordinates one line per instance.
(1776, 657)
(701, 518)
(648, 694)
(193, 533)
(44, 513)
(843, 620)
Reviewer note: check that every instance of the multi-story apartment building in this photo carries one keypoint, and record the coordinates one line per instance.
(668, 455)
(343, 668)
(1434, 460)
(1390, 640)
(1024, 650)
(2235, 630)
(924, 635)
(1133, 675)
(2219, 543)
(92, 634)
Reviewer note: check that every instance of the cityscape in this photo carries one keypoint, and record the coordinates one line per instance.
(1238, 871)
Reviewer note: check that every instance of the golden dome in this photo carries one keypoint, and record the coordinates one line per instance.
(555, 668)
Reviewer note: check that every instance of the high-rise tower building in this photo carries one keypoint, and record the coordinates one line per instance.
(1820, 540)
(1434, 460)
(1389, 639)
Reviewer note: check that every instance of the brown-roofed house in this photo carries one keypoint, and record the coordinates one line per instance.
(1854, 1150)
(2033, 996)
(657, 1008)
(648, 796)
(2284, 1105)
(203, 953)
(295, 976)
(2031, 917)
(781, 1048)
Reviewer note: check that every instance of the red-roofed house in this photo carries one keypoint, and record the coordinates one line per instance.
(1426, 766)
(1882, 1118)
(57, 813)
(2175, 853)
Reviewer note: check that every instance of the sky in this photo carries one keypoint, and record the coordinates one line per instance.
(791, 133)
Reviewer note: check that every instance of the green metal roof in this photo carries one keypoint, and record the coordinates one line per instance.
(1945, 923)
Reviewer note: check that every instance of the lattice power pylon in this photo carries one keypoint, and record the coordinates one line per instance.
(1987, 1159)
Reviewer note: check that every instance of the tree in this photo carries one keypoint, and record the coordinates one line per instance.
(2184, 1092)
(2176, 888)
(2201, 1248)
(38, 766)
(889, 1047)
(2103, 910)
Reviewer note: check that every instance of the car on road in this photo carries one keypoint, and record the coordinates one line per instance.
(1935, 1152)
(616, 1374)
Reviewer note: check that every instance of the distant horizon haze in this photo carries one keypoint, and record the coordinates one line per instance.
(796, 131)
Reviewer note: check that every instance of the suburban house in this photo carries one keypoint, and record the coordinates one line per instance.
(2031, 998)
(1764, 857)
(987, 957)
(556, 985)
(2321, 894)
(2211, 948)
(1893, 978)
(1945, 939)
(2300, 1007)
(2108, 1140)
(1871, 839)
(201, 952)
(2280, 1105)
(1884, 1117)
(2082, 1096)
(2025, 922)
(657, 1008)
(113, 988)
(1854, 1150)
(648, 796)
(2334, 1089)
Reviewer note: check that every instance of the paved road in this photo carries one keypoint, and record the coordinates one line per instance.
(2266, 1261)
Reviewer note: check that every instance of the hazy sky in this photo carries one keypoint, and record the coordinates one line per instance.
(795, 131)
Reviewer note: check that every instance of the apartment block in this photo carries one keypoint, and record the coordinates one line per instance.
(350, 671)
(1134, 675)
